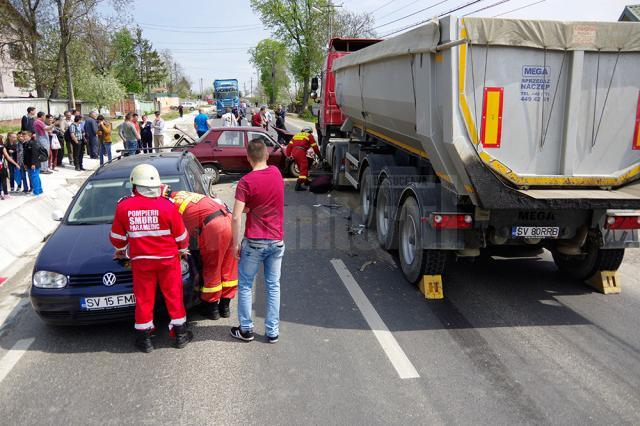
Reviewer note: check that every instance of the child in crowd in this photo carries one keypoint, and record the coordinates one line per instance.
(14, 171)
(23, 138)
(5, 160)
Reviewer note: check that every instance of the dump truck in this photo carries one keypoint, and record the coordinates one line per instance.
(473, 136)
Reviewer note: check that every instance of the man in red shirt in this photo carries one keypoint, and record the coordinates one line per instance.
(297, 148)
(150, 230)
(256, 119)
(260, 194)
(209, 220)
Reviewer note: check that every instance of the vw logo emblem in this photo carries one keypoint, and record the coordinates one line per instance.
(109, 279)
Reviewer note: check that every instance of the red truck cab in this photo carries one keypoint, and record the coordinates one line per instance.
(330, 117)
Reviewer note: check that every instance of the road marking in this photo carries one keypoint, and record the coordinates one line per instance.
(12, 357)
(389, 344)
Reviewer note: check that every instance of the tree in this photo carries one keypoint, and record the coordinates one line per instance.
(270, 57)
(125, 66)
(103, 90)
(350, 24)
(297, 23)
(151, 68)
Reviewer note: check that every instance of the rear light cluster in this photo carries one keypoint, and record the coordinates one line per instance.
(622, 222)
(451, 221)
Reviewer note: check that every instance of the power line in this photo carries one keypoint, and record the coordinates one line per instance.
(398, 10)
(382, 7)
(487, 7)
(411, 14)
(519, 8)
(455, 9)
(201, 32)
(195, 28)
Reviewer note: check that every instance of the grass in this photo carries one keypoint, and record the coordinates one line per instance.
(6, 128)
(171, 115)
(307, 116)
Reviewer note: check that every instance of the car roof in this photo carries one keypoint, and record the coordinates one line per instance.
(167, 163)
(243, 128)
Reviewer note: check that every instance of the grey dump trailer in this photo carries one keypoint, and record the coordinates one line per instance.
(475, 135)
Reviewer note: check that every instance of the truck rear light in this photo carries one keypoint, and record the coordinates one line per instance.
(622, 222)
(451, 221)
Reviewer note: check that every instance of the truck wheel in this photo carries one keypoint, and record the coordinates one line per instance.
(367, 197)
(384, 215)
(582, 267)
(414, 260)
(213, 172)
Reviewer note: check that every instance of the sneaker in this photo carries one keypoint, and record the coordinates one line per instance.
(237, 333)
(273, 339)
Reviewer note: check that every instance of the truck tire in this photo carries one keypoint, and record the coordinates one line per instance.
(213, 172)
(367, 198)
(384, 215)
(415, 261)
(582, 267)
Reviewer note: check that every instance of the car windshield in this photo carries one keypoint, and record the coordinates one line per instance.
(97, 201)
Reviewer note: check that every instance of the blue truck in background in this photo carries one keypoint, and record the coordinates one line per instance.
(227, 94)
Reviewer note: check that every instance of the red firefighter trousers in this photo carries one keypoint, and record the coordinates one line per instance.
(219, 264)
(300, 157)
(147, 275)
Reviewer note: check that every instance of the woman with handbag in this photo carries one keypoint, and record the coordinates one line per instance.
(54, 143)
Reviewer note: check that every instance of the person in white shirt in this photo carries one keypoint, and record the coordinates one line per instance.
(228, 119)
(158, 129)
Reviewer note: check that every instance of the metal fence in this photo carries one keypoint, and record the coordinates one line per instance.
(15, 108)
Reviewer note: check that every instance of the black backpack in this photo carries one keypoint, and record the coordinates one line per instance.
(43, 153)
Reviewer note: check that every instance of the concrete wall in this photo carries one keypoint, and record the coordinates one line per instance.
(15, 108)
(166, 103)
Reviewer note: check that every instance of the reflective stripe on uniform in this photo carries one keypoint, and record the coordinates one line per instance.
(193, 198)
(233, 283)
(145, 326)
(182, 237)
(118, 236)
(152, 257)
(302, 177)
(138, 234)
(314, 144)
(212, 289)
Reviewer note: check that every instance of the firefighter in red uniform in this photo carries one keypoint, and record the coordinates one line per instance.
(209, 220)
(297, 148)
(150, 230)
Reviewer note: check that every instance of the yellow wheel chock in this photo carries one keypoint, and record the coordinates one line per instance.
(606, 282)
(431, 287)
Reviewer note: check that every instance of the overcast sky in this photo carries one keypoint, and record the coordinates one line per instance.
(210, 38)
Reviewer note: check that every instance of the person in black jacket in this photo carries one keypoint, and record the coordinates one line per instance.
(27, 120)
(32, 161)
(146, 135)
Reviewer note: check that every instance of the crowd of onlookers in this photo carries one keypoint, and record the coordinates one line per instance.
(44, 141)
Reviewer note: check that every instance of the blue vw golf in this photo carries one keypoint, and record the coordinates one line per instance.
(75, 278)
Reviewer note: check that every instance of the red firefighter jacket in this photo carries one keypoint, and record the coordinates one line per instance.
(195, 208)
(149, 228)
(302, 140)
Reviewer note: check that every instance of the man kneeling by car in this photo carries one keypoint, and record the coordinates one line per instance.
(209, 220)
(150, 229)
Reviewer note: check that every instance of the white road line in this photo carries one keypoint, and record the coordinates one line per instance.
(389, 344)
(12, 357)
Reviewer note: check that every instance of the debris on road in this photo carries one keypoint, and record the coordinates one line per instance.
(355, 229)
(366, 264)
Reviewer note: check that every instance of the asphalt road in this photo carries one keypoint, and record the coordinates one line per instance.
(513, 342)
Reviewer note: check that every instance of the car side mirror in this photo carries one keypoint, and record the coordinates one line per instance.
(314, 84)
(57, 215)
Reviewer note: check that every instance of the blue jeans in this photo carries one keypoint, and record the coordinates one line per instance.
(105, 149)
(131, 147)
(34, 177)
(25, 180)
(252, 254)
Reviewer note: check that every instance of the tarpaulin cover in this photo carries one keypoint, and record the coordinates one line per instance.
(555, 35)
(422, 39)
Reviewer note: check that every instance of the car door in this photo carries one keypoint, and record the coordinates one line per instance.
(205, 150)
(231, 152)
(275, 152)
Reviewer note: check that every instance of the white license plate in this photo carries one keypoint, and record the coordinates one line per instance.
(535, 231)
(107, 302)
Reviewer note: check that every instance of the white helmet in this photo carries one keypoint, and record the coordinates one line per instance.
(145, 175)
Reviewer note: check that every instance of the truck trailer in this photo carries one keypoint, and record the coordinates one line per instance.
(474, 136)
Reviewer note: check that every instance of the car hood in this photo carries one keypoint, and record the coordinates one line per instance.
(78, 249)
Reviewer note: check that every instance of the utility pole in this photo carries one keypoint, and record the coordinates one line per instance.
(201, 89)
(252, 85)
(330, 10)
